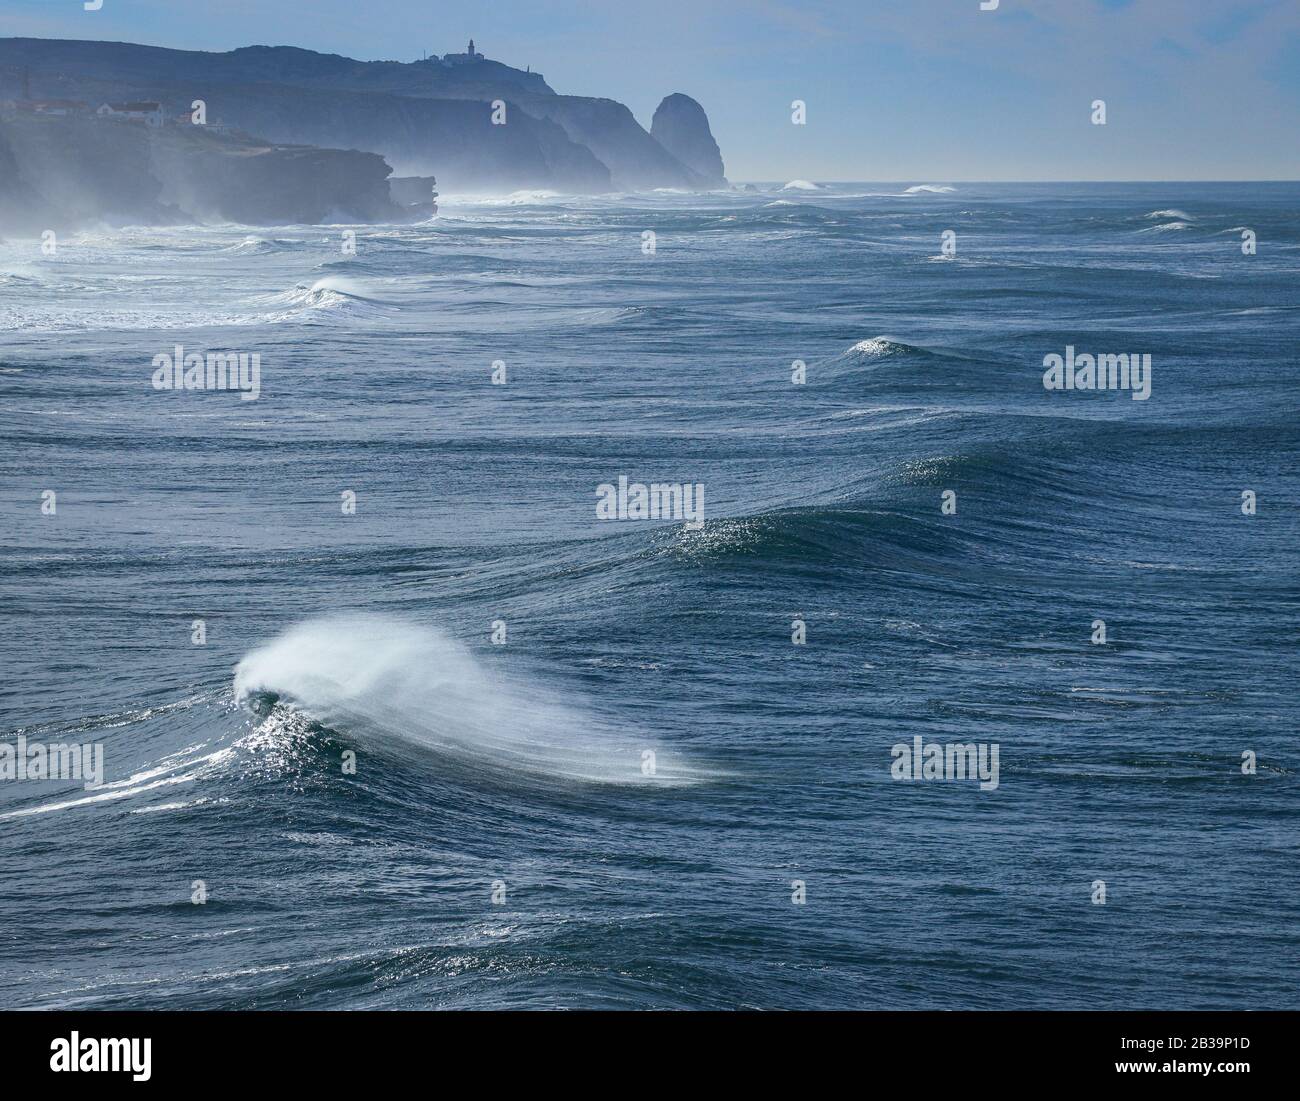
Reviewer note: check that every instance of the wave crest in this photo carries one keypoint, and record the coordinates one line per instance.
(382, 679)
(876, 347)
(332, 293)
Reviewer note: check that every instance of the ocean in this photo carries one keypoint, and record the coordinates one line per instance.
(391, 717)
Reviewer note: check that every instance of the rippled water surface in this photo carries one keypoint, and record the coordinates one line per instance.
(519, 770)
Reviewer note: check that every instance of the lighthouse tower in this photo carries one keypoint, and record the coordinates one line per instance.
(467, 58)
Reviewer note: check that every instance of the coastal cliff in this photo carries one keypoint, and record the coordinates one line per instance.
(426, 117)
(214, 177)
(61, 173)
(681, 126)
(67, 172)
(634, 158)
(452, 139)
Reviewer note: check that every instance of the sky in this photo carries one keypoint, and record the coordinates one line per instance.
(895, 90)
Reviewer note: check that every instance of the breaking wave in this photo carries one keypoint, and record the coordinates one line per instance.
(262, 246)
(387, 681)
(876, 347)
(330, 293)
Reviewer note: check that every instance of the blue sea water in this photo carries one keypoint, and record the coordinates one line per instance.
(499, 844)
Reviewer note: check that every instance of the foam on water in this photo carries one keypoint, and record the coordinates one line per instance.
(377, 677)
(327, 295)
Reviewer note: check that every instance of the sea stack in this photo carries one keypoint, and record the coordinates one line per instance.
(681, 126)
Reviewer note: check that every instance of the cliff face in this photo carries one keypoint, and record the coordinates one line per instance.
(62, 173)
(220, 179)
(413, 190)
(681, 126)
(424, 117)
(453, 139)
(609, 130)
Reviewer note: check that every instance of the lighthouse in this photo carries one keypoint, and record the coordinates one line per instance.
(469, 57)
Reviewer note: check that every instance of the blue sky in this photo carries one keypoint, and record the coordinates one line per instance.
(908, 90)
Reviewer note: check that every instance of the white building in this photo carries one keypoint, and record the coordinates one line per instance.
(467, 58)
(151, 114)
